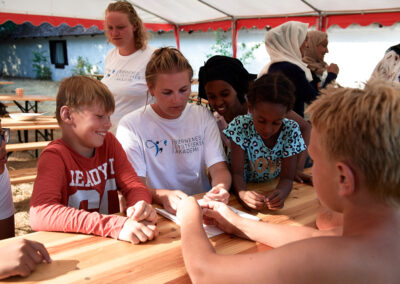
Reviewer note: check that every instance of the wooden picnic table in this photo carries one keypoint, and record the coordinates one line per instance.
(81, 258)
(43, 126)
(31, 101)
(6, 83)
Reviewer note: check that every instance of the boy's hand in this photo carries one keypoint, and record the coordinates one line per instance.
(170, 199)
(138, 232)
(303, 178)
(252, 199)
(275, 199)
(21, 258)
(217, 193)
(142, 211)
(220, 215)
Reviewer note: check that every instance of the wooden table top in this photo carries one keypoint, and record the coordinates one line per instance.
(8, 122)
(36, 98)
(6, 83)
(89, 259)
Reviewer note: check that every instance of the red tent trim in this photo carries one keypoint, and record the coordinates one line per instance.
(261, 23)
(37, 20)
(224, 25)
(385, 19)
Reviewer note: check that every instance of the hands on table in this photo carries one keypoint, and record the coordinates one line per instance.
(273, 200)
(214, 213)
(140, 225)
(21, 257)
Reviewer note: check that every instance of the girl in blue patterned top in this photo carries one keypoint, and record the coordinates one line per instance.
(265, 144)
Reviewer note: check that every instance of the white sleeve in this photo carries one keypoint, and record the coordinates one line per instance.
(213, 149)
(132, 145)
(6, 201)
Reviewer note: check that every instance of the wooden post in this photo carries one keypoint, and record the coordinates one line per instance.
(176, 32)
(234, 38)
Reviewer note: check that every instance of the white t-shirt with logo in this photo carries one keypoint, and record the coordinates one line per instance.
(172, 153)
(125, 77)
(6, 201)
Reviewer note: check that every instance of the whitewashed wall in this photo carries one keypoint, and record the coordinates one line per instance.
(355, 49)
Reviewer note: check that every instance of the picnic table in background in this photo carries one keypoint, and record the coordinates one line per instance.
(90, 259)
(6, 83)
(31, 101)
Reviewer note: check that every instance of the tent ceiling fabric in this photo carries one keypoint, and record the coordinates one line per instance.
(203, 14)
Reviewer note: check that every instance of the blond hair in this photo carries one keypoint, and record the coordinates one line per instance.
(78, 91)
(362, 128)
(140, 35)
(166, 60)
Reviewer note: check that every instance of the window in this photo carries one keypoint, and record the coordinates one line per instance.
(58, 53)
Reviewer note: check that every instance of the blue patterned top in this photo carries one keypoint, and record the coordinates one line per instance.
(262, 162)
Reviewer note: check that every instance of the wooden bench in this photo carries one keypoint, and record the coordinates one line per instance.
(23, 175)
(27, 146)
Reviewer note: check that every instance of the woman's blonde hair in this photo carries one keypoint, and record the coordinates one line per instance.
(166, 60)
(362, 128)
(140, 35)
(79, 91)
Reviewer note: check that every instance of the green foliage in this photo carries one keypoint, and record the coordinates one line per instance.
(223, 46)
(83, 66)
(40, 65)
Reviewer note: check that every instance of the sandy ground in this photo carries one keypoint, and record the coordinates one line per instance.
(19, 160)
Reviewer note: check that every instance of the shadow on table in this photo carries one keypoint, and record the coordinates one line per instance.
(48, 271)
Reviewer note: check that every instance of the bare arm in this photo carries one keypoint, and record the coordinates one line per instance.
(305, 129)
(204, 265)
(273, 235)
(250, 199)
(169, 199)
(275, 199)
(220, 181)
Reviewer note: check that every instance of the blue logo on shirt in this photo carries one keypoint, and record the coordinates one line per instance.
(156, 145)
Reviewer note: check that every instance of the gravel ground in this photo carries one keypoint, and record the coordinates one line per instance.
(18, 160)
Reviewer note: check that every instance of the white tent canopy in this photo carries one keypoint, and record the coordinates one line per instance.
(185, 12)
(189, 15)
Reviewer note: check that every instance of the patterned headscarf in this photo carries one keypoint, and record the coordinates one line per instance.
(311, 56)
(283, 44)
(227, 69)
(388, 68)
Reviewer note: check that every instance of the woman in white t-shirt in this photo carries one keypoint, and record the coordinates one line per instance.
(126, 63)
(172, 144)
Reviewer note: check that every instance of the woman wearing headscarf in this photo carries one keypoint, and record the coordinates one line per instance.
(322, 73)
(286, 45)
(224, 82)
(388, 69)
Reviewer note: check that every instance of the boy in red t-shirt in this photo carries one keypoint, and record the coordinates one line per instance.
(79, 175)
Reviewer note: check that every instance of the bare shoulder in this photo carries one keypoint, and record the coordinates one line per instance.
(338, 260)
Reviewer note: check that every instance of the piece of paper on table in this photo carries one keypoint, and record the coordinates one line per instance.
(211, 230)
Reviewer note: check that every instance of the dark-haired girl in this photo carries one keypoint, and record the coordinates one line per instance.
(270, 141)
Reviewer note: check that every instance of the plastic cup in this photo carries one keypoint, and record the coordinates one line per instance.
(19, 92)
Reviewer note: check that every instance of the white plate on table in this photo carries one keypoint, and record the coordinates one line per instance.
(25, 116)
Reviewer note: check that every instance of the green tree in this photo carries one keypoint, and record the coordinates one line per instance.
(40, 65)
(83, 66)
(223, 46)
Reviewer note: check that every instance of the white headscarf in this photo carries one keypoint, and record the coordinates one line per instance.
(388, 68)
(283, 44)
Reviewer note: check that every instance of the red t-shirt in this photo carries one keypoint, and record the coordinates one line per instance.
(71, 192)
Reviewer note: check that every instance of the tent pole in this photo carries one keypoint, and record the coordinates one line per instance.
(234, 38)
(176, 32)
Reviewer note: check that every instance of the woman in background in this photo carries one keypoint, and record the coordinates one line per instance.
(126, 63)
(322, 73)
(286, 45)
(388, 69)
